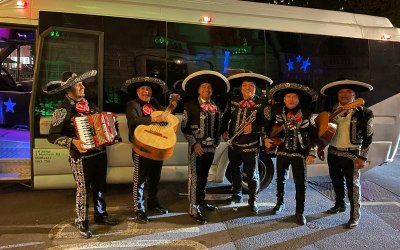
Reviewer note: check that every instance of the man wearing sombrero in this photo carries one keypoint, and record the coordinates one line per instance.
(200, 125)
(89, 167)
(243, 125)
(138, 112)
(297, 140)
(348, 150)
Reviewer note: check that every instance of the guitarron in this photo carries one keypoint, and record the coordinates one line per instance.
(157, 140)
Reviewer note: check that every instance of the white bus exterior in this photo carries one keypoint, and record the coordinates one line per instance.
(49, 164)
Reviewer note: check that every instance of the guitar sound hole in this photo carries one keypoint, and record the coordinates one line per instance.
(164, 124)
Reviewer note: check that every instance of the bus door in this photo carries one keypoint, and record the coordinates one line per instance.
(60, 49)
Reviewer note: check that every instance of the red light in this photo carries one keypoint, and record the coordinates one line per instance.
(205, 19)
(22, 4)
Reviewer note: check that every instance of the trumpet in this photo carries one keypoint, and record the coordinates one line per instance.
(239, 130)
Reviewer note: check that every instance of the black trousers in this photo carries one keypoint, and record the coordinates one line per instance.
(148, 171)
(199, 166)
(90, 173)
(250, 167)
(299, 175)
(341, 171)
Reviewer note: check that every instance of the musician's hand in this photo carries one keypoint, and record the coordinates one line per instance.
(268, 143)
(198, 149)
(248, 129)
(80, 145)
(225, 136)
(159, 118)
(174, 99)
(310, 159)
(359, 163)
(321, 155)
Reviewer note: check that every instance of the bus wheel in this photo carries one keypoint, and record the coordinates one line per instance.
(265, 171)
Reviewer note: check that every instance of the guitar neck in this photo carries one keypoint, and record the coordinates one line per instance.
(336, 113)
(276, 131)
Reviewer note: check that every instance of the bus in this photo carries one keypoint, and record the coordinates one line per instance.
(172, 39)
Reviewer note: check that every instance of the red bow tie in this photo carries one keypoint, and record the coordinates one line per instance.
(148, 109)
(298, 118)
(246, 104)
(207, 106)
(82, 107)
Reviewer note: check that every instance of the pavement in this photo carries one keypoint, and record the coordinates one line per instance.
(43, 219)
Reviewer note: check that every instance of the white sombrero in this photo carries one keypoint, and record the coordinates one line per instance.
(333, 87)
(218, 81)
(56, 86)
(260, 80)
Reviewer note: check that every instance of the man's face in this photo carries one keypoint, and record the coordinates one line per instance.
(77, 91)
(248, 89)
(346, 96)
(205, 91)
(144, 93)
(291, 100)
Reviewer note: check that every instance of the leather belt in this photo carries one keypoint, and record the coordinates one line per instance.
(344, 149)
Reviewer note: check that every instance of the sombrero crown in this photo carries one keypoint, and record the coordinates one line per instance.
(56, 86)
(218, 81)
(258, 79)
(305, 93)
(157, 86)
(333, 87)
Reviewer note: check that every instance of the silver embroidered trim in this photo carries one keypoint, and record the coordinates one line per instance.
(370, 127)
(267, 112)
(64, 142)
(58, 116)
(290, 154)
(81, 194)
(342, 154)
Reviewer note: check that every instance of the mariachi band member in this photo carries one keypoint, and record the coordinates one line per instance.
(201, 123)
(297, 140)
(89, 167)
(243, 125)
(145, 170)
(348, 150)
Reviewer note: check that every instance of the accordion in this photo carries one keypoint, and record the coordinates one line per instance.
(96, 130)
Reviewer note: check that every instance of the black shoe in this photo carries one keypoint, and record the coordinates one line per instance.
(158, 208)
(300, 219)
(208, 207)
(353, 223)
(199, 218)
(254, 208)
(336, 209)
(83, 229)
(234, 199)
(141, 216)
(107, 220)
(279, 207)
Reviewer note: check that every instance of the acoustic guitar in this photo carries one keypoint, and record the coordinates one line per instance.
(157, 140)
(326, 126)
(276, 129)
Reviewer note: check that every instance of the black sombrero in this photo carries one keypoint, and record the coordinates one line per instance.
(218, 81)
(56, 86)
(305, 93)
(333, 87)
(157, 86)
(258, 79)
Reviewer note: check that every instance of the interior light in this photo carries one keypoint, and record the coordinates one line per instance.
(22, 4)
(205, 19)
(386, 37)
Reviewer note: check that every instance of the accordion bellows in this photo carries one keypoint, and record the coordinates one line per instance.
(96, 130)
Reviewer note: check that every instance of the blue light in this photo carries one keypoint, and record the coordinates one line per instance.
(290, 65)
(305, 64)
(298, 58)
(226, 61)
(9, 105)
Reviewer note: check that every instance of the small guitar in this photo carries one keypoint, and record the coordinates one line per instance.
(157, 140)
(276, 129)
(326, 126)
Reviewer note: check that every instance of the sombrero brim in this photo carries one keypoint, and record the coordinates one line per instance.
(333, 87)
(260, 80)
(305, 93)
(218, 81)
(57, 86)
(157, 86)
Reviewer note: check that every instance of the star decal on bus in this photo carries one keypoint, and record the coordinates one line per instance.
(10, 105)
